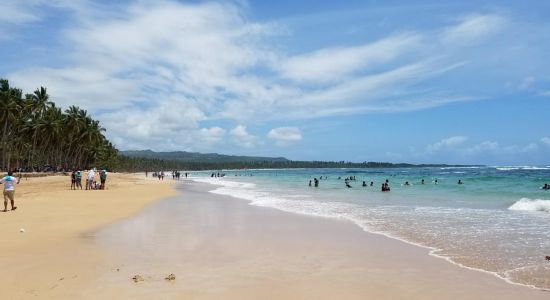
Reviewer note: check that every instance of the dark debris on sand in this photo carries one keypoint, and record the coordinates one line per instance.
(170, 277)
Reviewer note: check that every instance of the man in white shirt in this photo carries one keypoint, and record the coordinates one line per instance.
(9, 190)
(90, 179)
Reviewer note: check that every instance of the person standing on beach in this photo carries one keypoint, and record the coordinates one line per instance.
(9, 190)
(73, 180)
(90, 179)
(78, 176)
(103, 178)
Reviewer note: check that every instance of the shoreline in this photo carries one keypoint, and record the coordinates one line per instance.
(272, 254)
(432, 250)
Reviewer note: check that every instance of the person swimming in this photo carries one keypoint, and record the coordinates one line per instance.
(546, 186)
(407, 183)
(364, 183)
(310, 183)
(316, 182)
(422, 181)
(347, 184)
(385, 187)
(460, 182)
(371, 183)
(435, 181)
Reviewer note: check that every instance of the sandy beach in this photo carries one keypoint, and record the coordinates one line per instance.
(55, 257)
(218, 247)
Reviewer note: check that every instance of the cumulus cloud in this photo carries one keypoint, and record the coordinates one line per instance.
(210, 136)
(447, 143)
(285, 135)
(242, 137)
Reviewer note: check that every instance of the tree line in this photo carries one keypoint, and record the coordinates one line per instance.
(37, 135)
(139, 164)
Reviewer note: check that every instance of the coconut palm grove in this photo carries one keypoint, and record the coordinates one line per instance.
(39, 136)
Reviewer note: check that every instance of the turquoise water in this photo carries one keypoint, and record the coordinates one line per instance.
(497, 221)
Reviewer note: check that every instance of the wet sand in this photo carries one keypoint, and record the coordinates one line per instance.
(220, 247)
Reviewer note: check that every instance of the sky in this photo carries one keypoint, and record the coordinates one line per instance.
(460, 82)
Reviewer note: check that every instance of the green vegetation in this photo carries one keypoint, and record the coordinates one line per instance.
(199, 157)
(148, 160)
(38, 135)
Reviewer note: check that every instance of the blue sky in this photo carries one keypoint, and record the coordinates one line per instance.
(429, 82)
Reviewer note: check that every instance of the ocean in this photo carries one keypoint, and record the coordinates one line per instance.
(498, 221)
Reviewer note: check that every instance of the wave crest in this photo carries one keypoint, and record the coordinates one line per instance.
(527, 204)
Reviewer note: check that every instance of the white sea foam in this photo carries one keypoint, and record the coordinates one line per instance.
(526, 204)
(450, 168)
(225, 183)
(513, 168)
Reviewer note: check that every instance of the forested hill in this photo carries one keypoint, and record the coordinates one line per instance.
(147, 160)
(199, 157)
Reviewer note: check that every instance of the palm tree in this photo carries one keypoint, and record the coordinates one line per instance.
(34, 128)
(38, 103)
(10, 107)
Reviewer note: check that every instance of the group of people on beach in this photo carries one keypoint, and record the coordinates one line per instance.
(176, 175)
(159, 175)
(91, 182)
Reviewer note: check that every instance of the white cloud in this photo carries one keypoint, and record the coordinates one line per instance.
(545, 140)
(483, 147)
(17, 11)
(447, 143)
(210, 136)
(530, 148)
(336, 64)
(242, 137)
(473, 28)
(285, 135)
